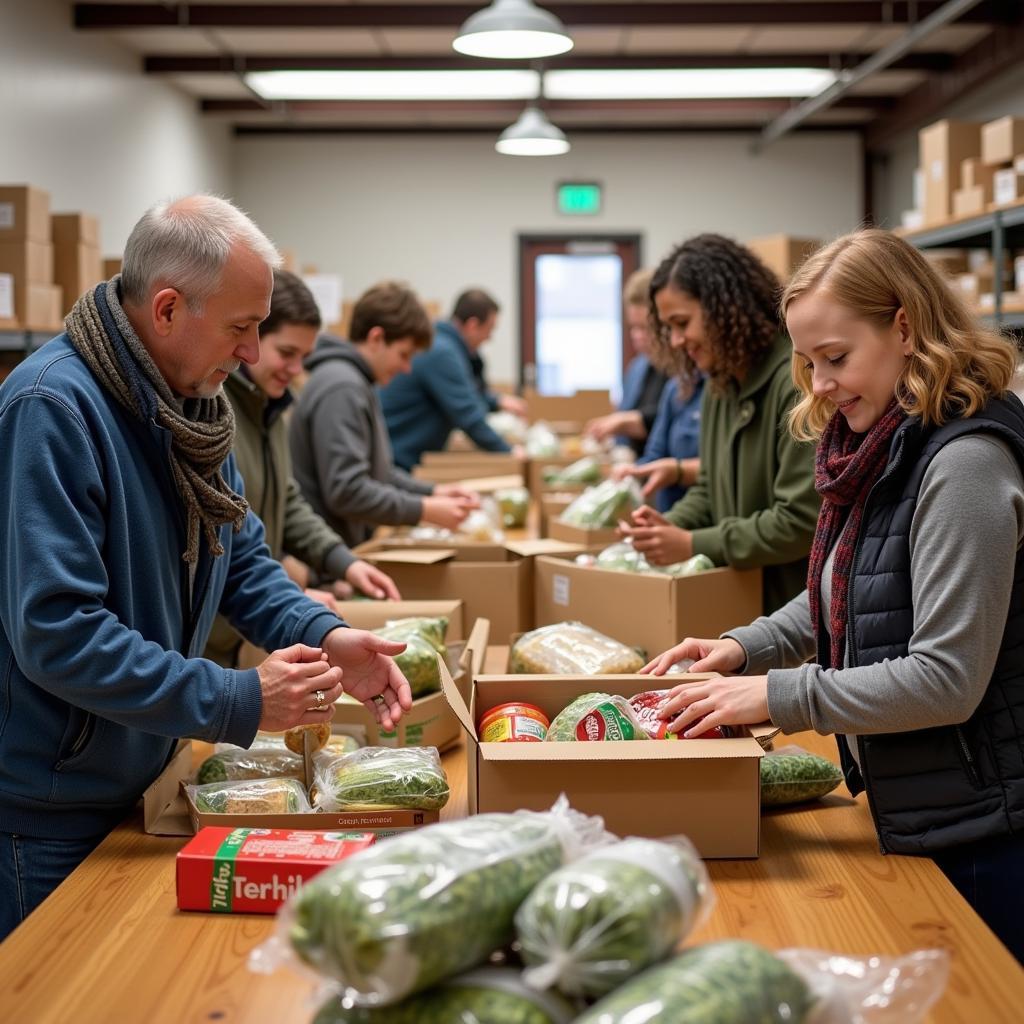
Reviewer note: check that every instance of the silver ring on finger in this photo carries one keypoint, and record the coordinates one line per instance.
(320, 702)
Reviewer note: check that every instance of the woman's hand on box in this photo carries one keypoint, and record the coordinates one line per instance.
(697, 706)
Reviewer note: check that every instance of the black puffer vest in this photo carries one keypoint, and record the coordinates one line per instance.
(933, 788)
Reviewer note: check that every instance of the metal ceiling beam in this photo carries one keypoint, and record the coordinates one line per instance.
(208, 64)
(944, 15)
(282, 128)
(574, 15)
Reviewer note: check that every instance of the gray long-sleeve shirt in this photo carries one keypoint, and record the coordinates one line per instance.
(967, 527)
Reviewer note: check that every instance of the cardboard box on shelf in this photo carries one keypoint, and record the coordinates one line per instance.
(1008, 187)
(949, 262)
(111, 267)
(576, 408)
(782, 254)
(652, 611)
(974, 173)
(30, 262)
(494, 581)
(707, 789)
(1002, 140)
(78, 268)
(1011, 302)
(968, 202)
(70, 229)
(1018, 274)
(25, 305)
(943, 147)
(255, 871)
(24, 214)
(912, 220)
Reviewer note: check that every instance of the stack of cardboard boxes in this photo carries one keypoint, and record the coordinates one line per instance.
(29, 298)
(77, 263)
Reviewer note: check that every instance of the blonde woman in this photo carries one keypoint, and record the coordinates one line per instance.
(914, 609)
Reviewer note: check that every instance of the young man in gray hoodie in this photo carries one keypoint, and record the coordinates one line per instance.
(341, 453)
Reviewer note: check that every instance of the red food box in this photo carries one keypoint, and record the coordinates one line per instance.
(255, 870)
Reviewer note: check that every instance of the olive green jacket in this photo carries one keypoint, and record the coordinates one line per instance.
(754, 502)
(292, 527)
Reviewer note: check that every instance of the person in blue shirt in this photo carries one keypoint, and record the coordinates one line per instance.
(443, 391)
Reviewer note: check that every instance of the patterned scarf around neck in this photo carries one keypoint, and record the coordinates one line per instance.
(202, 430)
(847, 465)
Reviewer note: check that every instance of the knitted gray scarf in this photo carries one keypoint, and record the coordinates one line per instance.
(202, 429)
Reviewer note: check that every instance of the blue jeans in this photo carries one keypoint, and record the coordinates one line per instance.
(989, 874)
(30, 869)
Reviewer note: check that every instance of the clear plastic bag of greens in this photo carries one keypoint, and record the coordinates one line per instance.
(380, 777)
(425, 905)
(596, 717)
(792, 775)
(424, 640)
(583, 471)
(593, 924)
(691, 567)
(622, 557)
(571, 648)
(487, 995)
(235, 764)
(743, 983)
(483, 524)
(255, 796)
(510, 427)
(433, 629)
(514, 503)
(542, 442)
(603, 506)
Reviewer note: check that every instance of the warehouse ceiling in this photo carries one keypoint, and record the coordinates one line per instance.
(207, 50)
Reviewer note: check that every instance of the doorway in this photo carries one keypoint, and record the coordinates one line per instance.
(572, 336)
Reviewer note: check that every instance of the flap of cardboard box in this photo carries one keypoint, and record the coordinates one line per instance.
(629, 750)
(454, 698)
(473, 654)
(163, 808)
(412, 556)
(547, 546)
(490, 484)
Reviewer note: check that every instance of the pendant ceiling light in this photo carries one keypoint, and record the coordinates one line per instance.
(532, 135)
(512, 30)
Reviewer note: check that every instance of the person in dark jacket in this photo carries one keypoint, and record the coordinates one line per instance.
(643, 383)
(339, 442)
(442, 392)
(123, 531)
(296, 535)
(914, 610)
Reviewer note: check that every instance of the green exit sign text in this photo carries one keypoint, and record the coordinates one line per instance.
(579, 197)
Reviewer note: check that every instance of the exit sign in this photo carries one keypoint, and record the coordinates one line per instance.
(579, 197)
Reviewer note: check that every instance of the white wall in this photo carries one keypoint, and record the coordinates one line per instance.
(894, 174)
(79, 119)
(443, 212)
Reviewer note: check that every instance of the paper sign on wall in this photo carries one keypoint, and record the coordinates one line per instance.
(6, 292)
(6, 216)
(327, 294)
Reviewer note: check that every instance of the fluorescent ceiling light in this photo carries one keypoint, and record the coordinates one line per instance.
(512, 29)
(685, 83)
(394, 85)
(532, 135)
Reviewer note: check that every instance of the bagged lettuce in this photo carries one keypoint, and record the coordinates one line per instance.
(381, 777)
(237, 765)
(595, 717)
(603, 506)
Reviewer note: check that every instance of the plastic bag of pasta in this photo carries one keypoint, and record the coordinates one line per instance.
(238, 765)
(256, 796)
(425, 905)
(381, 777)
(593, 924)
(603, 506)
(487, 995)
(570, 648)
(594, 717)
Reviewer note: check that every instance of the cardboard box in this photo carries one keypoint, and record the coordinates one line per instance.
(943, 147)
(77, 269)
(71, 229)
(974, 173)
(708, 790)
(576, 409)
(455, 467)
(28, 306)
(782, 254)
(111, 267)
(651, 611)
(581, 537)
(1002, 140)
(1008, 187)
(552, 505)
(254, 871)
(27, 261)
(494, 581)
(24, 214)
(969, 202)
(948, 262)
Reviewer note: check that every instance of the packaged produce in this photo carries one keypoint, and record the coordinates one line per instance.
(741, 983)
(424, 640)
(512, 721)
(691, 567)
(425, 905)
(594, 717)
(542, 442)
(433, 629)
(487, 995)
(319, 735)
(381, 777)
(514, 503)
(648, 704)
(583, 471)
(603, 506)
(483, 523)
(254, 870)
(570, 648)
(257, 796)
(792, 775)
(622, 557)
(510, 427)
(593, 924)
(237, 764)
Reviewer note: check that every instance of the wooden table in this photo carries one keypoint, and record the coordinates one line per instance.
(110, 946)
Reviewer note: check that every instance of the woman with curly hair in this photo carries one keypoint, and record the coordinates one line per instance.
(914, 610)
(753, 503)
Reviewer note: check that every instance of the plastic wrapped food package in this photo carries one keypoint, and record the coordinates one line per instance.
(483, 524)
(583, 471)
(596, 717)
(593, 924)
(514, 503)
(237, 765)
(510, 427)
(542, 442)
(256, 796)
(381, 777)
(792, 775)
(602, 506)
(487, 995)
(426, 905)
(691, 567)
(735, 982)
(424, 640)
(622, 557)
(647, 706)
(570, 648)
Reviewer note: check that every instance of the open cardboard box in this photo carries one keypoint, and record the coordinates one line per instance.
(577, 408)
(581, 536)
(494, 581)
(709, 790)
(454, 467)
(652, 611)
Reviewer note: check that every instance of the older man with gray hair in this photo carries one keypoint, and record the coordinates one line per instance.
(123, 531)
